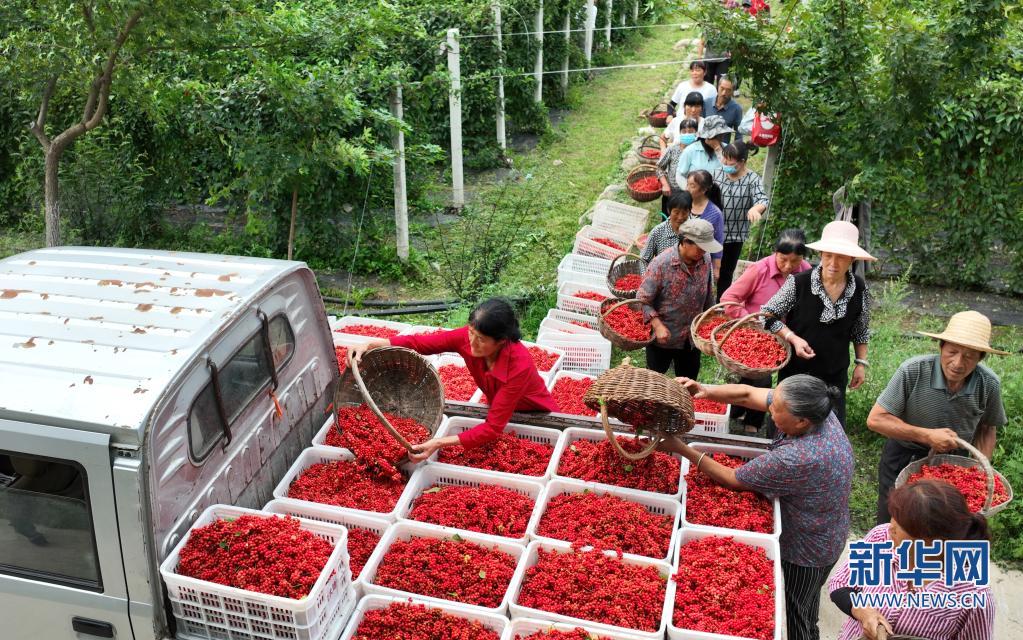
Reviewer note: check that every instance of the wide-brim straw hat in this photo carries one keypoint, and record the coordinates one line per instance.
(968, 329)
(842, 238)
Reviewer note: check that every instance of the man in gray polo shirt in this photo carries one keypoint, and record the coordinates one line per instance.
(933, 400)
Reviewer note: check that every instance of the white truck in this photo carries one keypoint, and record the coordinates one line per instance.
(137, 388)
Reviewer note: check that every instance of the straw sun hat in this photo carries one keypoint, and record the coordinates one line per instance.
(968, 329)
(842, 238)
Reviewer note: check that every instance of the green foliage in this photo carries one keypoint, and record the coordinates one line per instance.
(917, 108)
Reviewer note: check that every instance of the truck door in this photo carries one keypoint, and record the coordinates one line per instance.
(61, 573)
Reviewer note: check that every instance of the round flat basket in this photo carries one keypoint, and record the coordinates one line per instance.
(649, 149)
(658, 116)
(633, 266)
(711, 314)
(978, 460)
(618, 340)
(397, 381)
(645, 399)
(640, 172)
(718, 339)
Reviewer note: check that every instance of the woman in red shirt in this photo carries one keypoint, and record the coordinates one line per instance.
(499, 363)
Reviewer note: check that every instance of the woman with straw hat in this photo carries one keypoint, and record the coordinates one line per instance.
(822, 311)
(934, 399)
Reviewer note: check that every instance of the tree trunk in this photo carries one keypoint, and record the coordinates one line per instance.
(294, 213)
(52, 196)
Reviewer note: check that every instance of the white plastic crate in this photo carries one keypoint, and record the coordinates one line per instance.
(712, 422)
(652, 502)
(444, 360)
(583, 354)
(456, 425)
(497, 624)
(208, 610)
(773, 553)
(407, 530)
(319, 455)
(573, 434)
(339, 325)
(447, 475)
(417, 329)
(569, 317)
(616, 424)
(524, 627)
(320, 438)
(586, 243)
(568, 301)
(578, 268)
(738, 452)
(611, 215)
(553, 371)
(519, 611)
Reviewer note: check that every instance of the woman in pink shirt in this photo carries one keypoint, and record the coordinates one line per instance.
(926, 511)
(498, 362)
(756, 285)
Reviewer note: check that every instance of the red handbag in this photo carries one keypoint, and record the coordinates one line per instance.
(766, 132)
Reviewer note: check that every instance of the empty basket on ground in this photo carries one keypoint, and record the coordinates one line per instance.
(979, 460)
(658, 116)
(608, 214)
(397, 381)
(626, 343)
(640, 172)
(720, 335)
(209, 610)
(570, 300)
(627, 264)
(601, 243)
(645, 399)
(716, 313)
(649, 149)
(579, 268)
(589, 354)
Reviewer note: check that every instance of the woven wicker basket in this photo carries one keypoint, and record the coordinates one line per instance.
(633, 266)
(717, 310)
(642, 171)
(978, 460)
(658, 121)
(750, 322)
(645, 399)
(620, 341)
(649, 142)
(397, 381)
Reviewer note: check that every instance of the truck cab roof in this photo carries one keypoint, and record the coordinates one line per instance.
(92, 337)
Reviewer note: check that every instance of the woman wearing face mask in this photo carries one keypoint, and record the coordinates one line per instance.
(758, 283)
(707, 206)
(824, 311)
(743, 202)
(925, 511)
(668, 163)
(498, 362)
(665, 235)
(691, 109)
(705, 153)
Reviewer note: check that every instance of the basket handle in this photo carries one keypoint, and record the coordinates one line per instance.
(633, 457)
(984, 462)
(741, 321)
(354, 366)
(618, 257)
(641, 167)
(700, 318)
(618, 304)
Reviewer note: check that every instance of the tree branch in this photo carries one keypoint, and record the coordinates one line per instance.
(87, 14)
(38, 128)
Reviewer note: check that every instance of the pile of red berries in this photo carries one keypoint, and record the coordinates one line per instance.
(629, 282)
(487, 508)
(569, 392)
(350, 484)
(409, 621)
(509, 453)
(710, 504)
(754, 349)
(590, 295)
(271, 555)
(647, 184)
(369, 330)
(361, 543)
(342, 358)
(542, 358)
(608, 242)
(606, 522)
(703, 405)
(971, 482)
(362, 433)
(628, 323)
(599, 462)
(459, 385)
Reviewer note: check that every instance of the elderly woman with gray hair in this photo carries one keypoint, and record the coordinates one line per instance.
(809, 469)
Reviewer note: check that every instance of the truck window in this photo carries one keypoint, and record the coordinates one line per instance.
(241, 380)
(46, 531)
